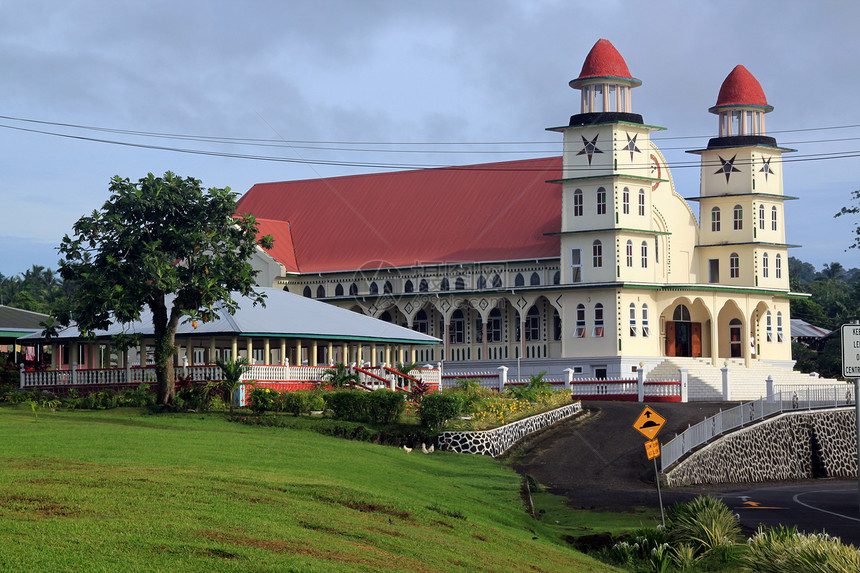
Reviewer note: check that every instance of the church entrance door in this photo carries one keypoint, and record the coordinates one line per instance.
(683, 337)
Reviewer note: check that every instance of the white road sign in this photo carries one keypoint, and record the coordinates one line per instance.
(851, 350)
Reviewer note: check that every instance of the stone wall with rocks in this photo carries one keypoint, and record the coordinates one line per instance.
(791, 446)
(497, 441)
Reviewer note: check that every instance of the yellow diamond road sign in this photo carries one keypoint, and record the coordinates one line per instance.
(649, 423)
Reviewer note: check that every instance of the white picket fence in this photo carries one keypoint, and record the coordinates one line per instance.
(789, 399)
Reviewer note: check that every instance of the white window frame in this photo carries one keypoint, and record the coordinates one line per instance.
(644, 252)
(778, 266)
(597, 254)
(625, 201)
(646, 329)
(773, 218)
(577, 203)
(641, 202)
(601, 201)
(576, 265)
(738, 218)
(734, 266)
(764, 265)
(779, 336)
(768, 326)
(599, 330)
(629, 254)
(715, 220)
(579, 332)
(633, 328)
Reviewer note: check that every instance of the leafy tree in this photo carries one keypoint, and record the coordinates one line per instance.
(853, 210)
(340, 376)
(164, 243)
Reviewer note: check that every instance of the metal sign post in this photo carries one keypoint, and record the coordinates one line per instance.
(649, 423)
(851, 369)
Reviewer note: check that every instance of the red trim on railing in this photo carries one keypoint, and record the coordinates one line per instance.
(399, 373)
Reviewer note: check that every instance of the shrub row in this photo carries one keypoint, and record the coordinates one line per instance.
(379, 407)
(296, 402)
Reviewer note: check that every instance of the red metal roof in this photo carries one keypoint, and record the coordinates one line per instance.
(604, 61)
(740, 88)
(489, 212)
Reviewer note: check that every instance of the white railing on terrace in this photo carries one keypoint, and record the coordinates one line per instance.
(798, 398)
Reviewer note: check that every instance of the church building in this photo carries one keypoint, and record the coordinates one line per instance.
(591, 261)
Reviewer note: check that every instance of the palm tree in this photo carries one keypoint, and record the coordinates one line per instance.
(232, 370)
(340, 376)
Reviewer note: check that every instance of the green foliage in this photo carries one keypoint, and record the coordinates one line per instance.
(705, 523)
(385, 406)
(439, 407)
(785, 550)
(853, 210)
(472, 395)
(232, 369)
(263, 399)
(347, 404)
(340, 376)
(160, 236)
(37, 289)
(533, 391)
(193, 396)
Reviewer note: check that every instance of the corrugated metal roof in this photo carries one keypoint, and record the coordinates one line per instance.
(488, 212)
(285, 315)
(17, 319)
(802, 329)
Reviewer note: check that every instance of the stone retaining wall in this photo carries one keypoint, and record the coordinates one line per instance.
(790, 446)
(495, 442)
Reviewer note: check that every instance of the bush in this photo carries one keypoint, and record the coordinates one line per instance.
(385, 406)
(707, 524)
(348, 404)
(439, 407)
(785, 549)
(300, 402)
(139, 397)
(194, 396)
(263, 399)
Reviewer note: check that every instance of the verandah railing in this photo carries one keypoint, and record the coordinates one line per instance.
(789, 399)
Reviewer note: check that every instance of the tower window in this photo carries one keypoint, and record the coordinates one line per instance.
(534, 280)
(577, 203)
(646, 330)
(580, 322)
(779, 327)
(764, 265)
(738, 218)
(773, 218)
(625, 201)
(598, 320)
(644, 255)
(632, 319)
(734, 266)
(629, 254)
(761, 217)
(601, 201)
(338, 290)
(715, 219)
(576, 265)
(641, 202)
(597, 255)
(307, 292)
(321, 291)
(519, 280)
(778, 266)
(769, 330)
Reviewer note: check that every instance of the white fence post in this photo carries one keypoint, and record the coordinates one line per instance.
(640, 385)
(74, 376)
(21, 377)
(685, 391)
(503, 377)
(570, 373)
(769, 388)
(726, 393)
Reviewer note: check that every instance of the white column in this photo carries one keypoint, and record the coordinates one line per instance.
(726, 389)
(503, 377)
(267, 352)
(685, 391)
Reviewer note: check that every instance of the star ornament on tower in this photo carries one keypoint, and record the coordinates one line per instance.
(631, 145)
(728, 167)
(766, 168)
(589, 148)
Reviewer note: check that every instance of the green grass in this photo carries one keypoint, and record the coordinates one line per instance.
(120, 490)
(578, 522)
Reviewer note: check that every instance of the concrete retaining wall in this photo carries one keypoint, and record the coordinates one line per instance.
(791, 446)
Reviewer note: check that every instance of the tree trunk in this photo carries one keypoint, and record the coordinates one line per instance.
(165, 336)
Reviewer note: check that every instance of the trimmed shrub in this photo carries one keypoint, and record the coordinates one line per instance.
(385, 406)
(263, 399)
(348, 404)
(298, 402)
(439, 407)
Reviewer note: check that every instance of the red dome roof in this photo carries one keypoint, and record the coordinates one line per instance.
(604, 61)
(740, 88)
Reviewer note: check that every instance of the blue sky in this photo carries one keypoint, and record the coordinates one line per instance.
(398, 82)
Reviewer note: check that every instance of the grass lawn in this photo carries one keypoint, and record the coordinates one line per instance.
(121, 490)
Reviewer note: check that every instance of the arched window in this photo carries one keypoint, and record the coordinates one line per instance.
(577, 203)
(338, 290)
(629, 254)
(421, 324)
(307, 292)
(533, 324)
(519, 280)
(778, 266)
(494, 326)
(768, 327)
(779, 327)
(601, 201)
(580, 322)
(715, 219)
(385, 316)
(497, 281)
(773, 218)
(596, 254)
(625, 201)
(641, 202)
(738, 218)
(734, 266)
(646, 329)
(556, 322)
(761, 217)
(459, 284)
(458, 327)
(408, 286)
(632, 319)
(534, 280)
(320, 291)
(482, 282)
(387, 288)
(353, 289)
(556, 278)
(422, 286)
(764, 265)
(598, 320)
(444, 285)
(644, 255)
(681, 314)
(374, 289)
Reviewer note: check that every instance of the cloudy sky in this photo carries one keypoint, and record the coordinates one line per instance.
(311, 89)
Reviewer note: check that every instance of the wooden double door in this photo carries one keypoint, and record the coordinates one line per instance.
(683, 338)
